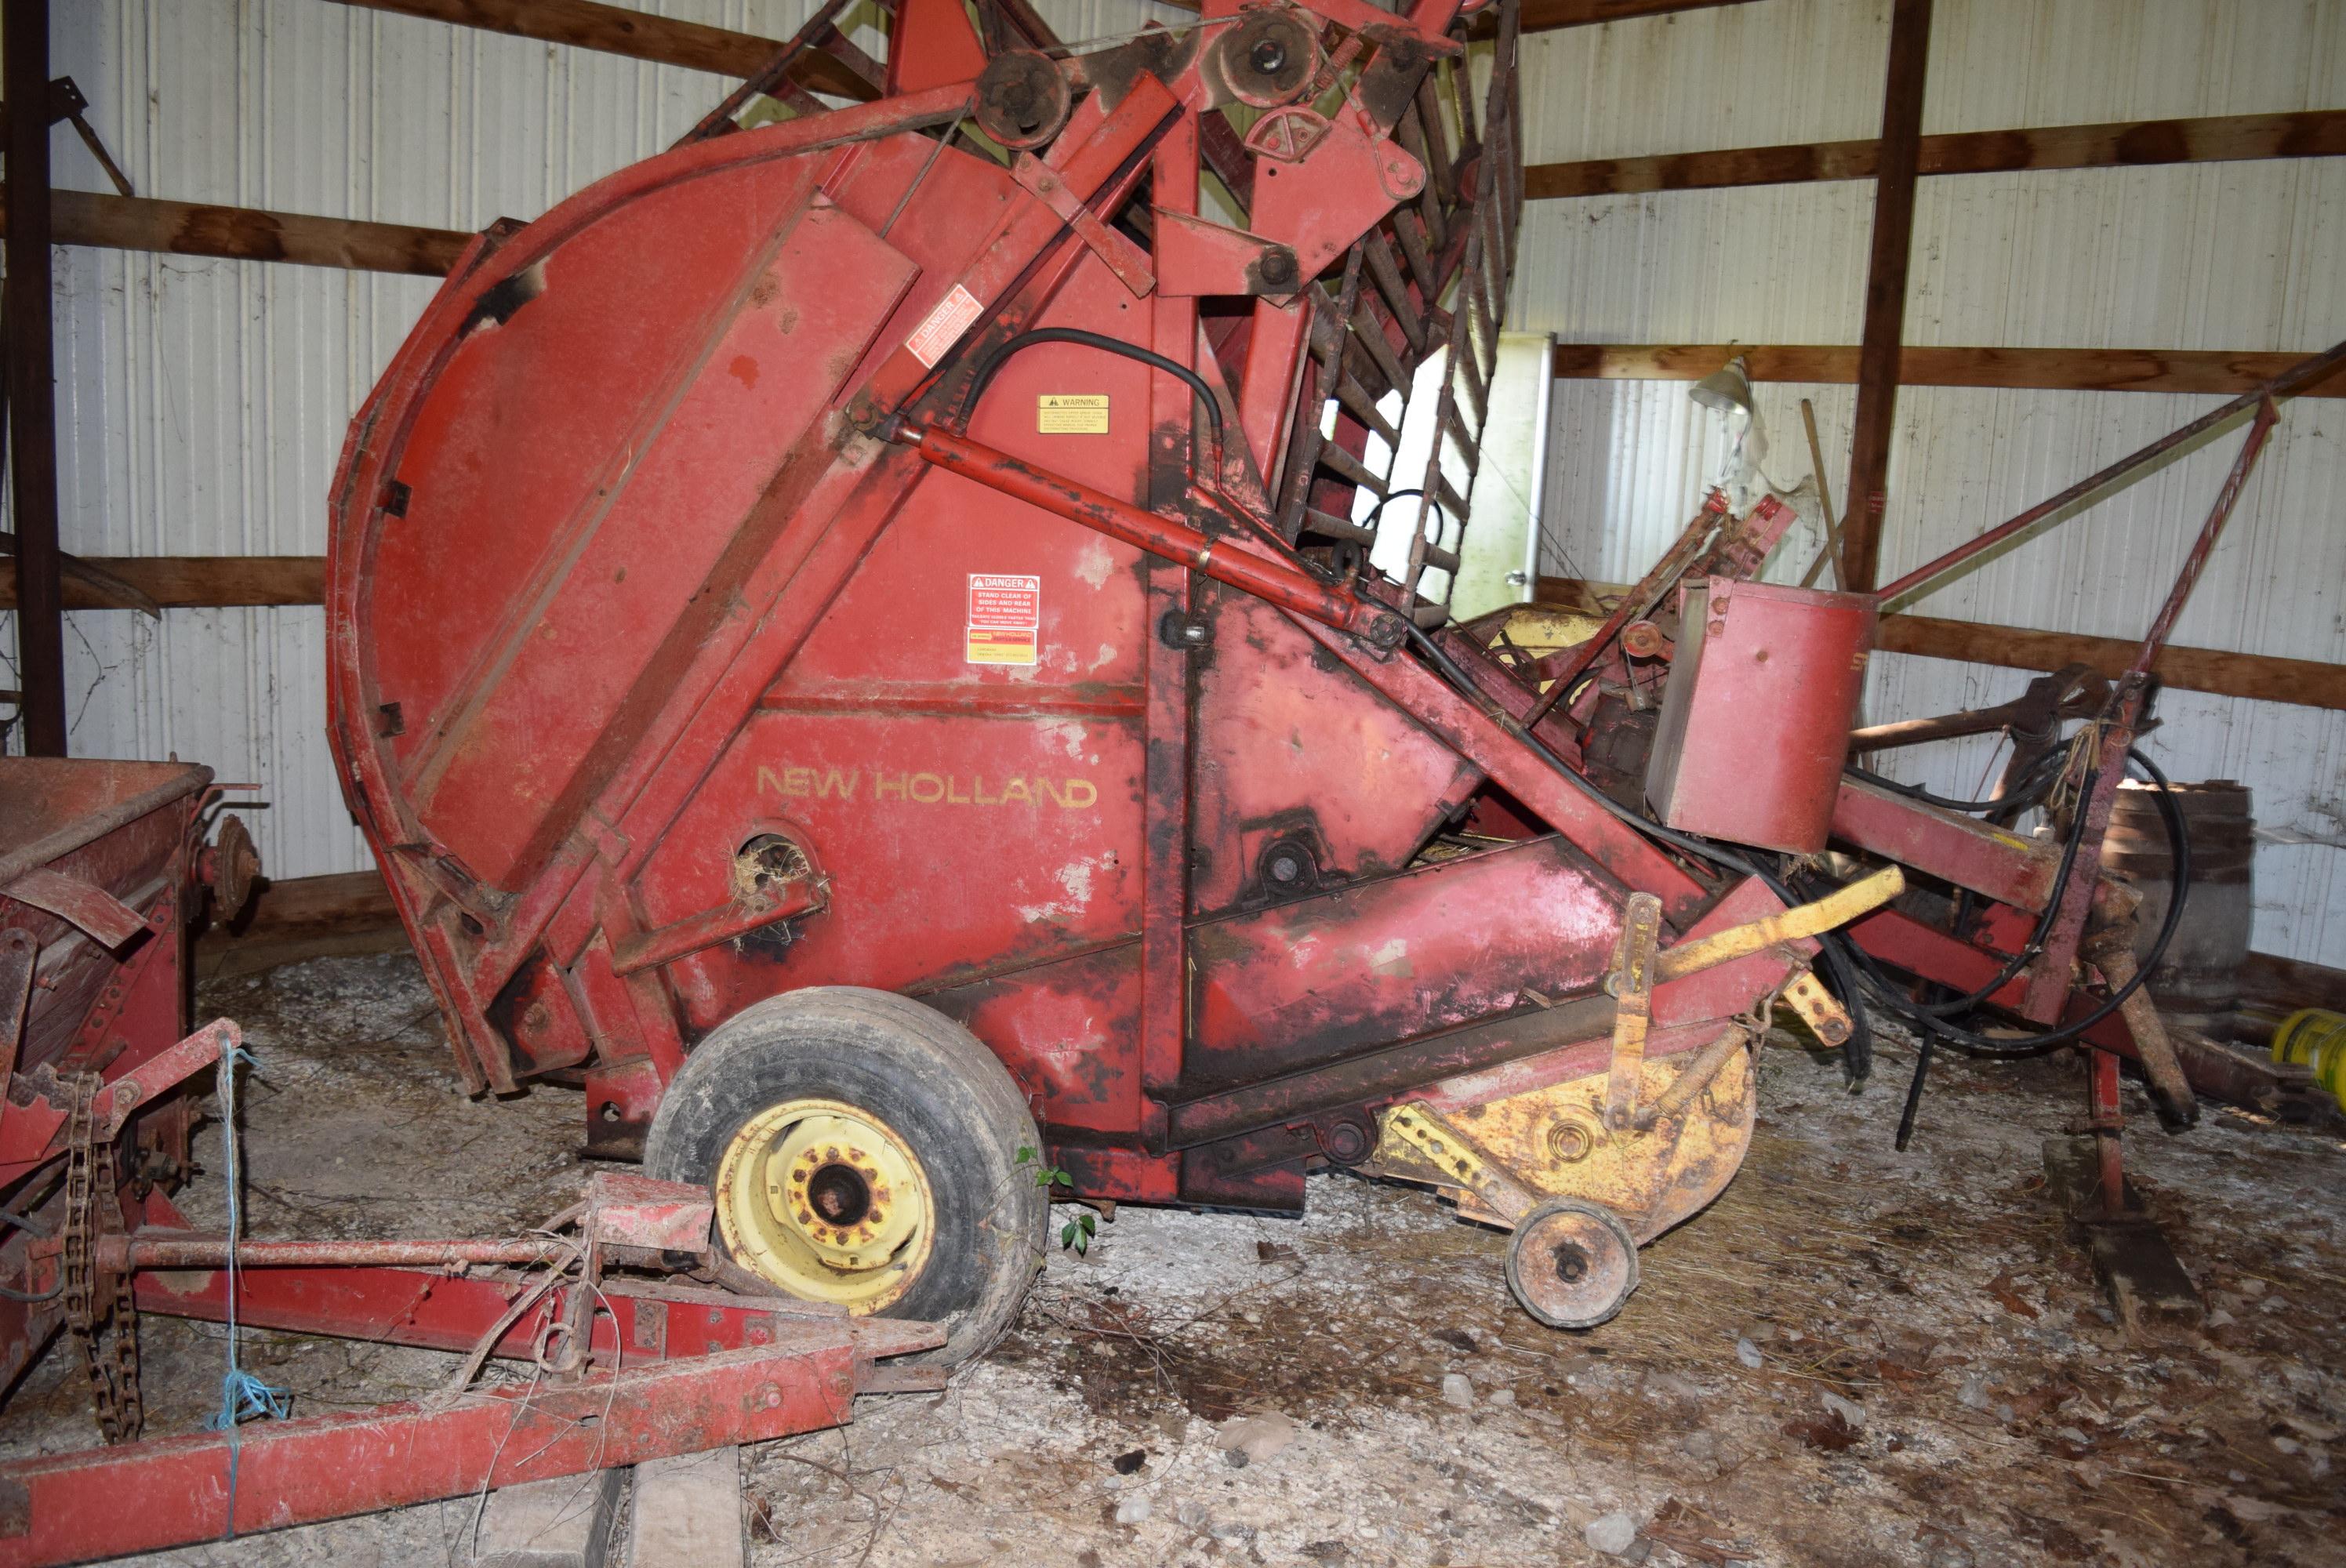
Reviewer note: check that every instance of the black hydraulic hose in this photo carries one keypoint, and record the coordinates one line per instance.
(1846, 960)
(995, 361)
(1906, 1113)
(2029, 791)
(1386, 500)
(2036, 943)
(2179, 851)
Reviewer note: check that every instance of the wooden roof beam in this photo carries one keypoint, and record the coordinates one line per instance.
(2122, 143)
(1549, 15)
(2263, 677)
(637, 35)
(248, 234)
(2057, 369)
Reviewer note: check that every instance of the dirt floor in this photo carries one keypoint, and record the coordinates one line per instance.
(1854, 1357)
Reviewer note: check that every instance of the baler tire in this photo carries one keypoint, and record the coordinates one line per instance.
(926, 1078)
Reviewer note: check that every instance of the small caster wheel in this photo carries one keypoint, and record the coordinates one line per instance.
(1572, 1263)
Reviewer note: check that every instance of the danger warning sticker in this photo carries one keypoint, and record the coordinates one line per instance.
(1006, 618)
(1071, 414)
(944, 327)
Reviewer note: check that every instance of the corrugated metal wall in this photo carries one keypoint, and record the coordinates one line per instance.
(2246, 255)
(204, 401)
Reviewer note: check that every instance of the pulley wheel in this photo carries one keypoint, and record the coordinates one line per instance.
(1268, 59)
(1572, 1263)
(229, 866)
(1022, 99)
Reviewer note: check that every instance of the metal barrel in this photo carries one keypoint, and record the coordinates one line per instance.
(2198, 984)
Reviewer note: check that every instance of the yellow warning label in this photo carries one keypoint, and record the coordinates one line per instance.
(1071, 414)
(1000, 647)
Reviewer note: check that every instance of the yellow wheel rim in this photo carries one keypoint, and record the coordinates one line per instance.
(828, 1202)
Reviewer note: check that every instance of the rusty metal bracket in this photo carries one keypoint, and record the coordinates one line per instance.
(82, 903)
(1632, 985)
(1825, 1017)
(19, 953)
(1123, 259)
(787, 899)
(1836, 907)
(1200, 257)
(1460, 1160)
(162, 1072)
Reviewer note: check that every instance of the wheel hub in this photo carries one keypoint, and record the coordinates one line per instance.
(828, 1201)
(1572, 1263)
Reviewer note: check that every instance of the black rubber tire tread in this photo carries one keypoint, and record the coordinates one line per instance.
(923, 1075)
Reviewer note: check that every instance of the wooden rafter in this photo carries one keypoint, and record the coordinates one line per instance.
(197, 582)
(2122, 143)
(637, 35)
(2060, 369)
(2308, 683)
(248, 234)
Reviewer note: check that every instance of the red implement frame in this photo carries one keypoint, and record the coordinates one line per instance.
(71, 1508)
(836, 486)
(102, 868)
(724, 600)
(659, 1368)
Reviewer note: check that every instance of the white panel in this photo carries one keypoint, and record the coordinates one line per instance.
(2245, 256)
(202, 403)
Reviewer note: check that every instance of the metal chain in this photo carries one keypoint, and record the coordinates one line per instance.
(114, 1387)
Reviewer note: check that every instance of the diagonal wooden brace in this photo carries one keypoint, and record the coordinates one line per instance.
(1632, 985)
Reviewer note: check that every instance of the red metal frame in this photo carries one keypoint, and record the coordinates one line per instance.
(92, 980)
(71, 1508)
(724, 598)
(632, 586)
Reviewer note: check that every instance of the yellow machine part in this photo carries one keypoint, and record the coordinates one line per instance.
(1555, 1142)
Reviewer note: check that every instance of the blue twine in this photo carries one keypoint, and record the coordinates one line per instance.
(243, 1397)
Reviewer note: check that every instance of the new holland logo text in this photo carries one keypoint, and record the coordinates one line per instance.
(878, 785)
